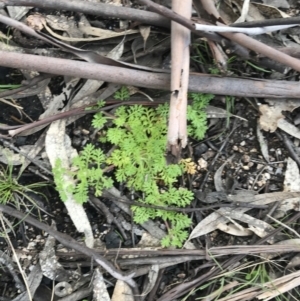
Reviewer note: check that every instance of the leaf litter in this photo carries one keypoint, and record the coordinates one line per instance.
(245, 189)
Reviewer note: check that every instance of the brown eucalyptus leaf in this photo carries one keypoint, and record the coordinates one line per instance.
(218, 176)
(33, 282)
(270, 11)
(215, 112)
(151, 279)
(211, 222)
(139, 43)
(145, 32)
(289, 128)
(65, 24)
(263, 143)
(17, 12)
(277, 3)
(287, 242)
(235, 230)
(122, 292)
(292, 176)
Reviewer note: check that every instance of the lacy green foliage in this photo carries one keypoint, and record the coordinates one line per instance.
(99, 119)
(122, 94)
(140, 135)
(88, 174)
(196, 116)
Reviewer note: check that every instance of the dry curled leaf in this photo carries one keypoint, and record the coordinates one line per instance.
(122, 292)
(271, 114)
(269, 118)
(235, 230)
(270, 10)
(211, 222)
(263, 143)
(292, 176)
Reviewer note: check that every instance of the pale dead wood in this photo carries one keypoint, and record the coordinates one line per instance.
(208, 6)
(180, 42)
(220, 58)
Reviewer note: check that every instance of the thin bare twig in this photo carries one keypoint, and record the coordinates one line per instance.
(185, 287)
(236, 37)
(69, 242)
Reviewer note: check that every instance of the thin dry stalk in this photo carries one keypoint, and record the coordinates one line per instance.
(264, 49)
(283, 225)
(209, 6)
(253, 249)
(239, 38)
(17, 259)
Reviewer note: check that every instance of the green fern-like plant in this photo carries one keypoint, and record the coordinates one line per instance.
(122, 94)
(87, 172)
(99, 119)
(140, 134)
(196, 116)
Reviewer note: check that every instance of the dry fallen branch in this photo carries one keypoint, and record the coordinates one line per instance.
(69, 242)
(239, 38)
(264, 49)
(92, 8)
(197, 82)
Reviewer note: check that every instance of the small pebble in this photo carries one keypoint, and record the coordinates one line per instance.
(200, 149)
(246, 159)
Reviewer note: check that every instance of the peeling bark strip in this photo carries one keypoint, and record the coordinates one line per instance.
(180, 42)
